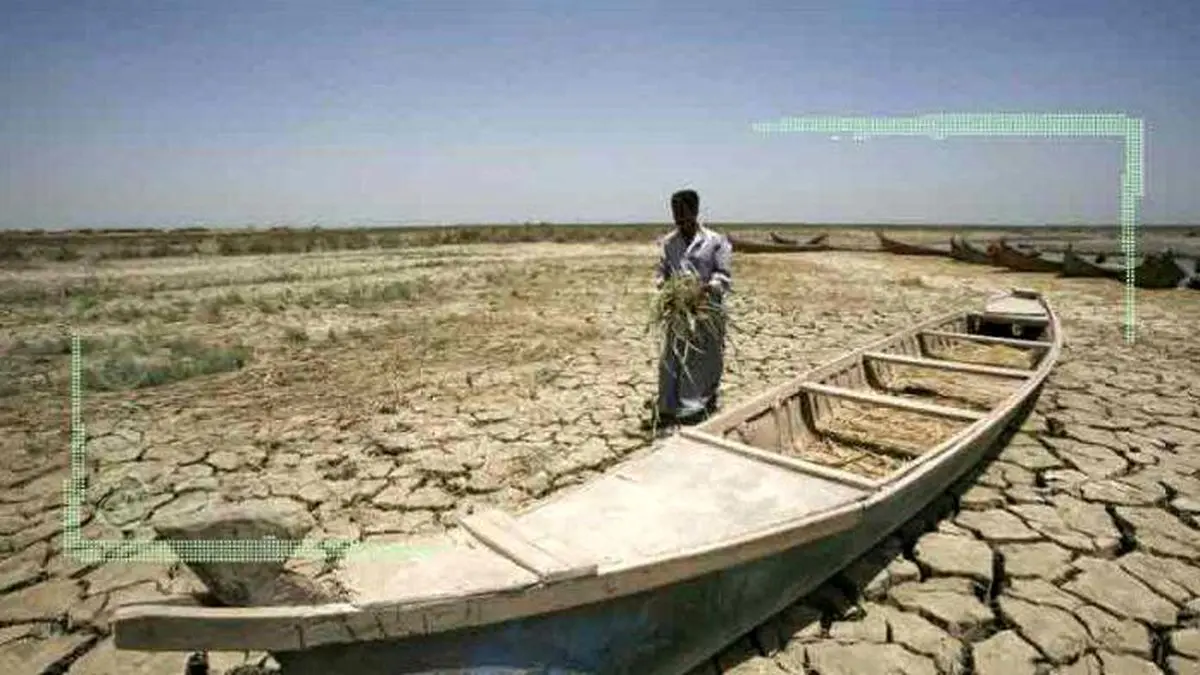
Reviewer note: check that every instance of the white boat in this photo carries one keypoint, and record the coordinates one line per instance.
(676, 552)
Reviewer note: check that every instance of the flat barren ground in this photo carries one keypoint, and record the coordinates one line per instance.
(392, 390)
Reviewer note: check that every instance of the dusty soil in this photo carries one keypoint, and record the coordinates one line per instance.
(392, 390)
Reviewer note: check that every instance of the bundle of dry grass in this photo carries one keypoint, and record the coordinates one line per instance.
(680, 310)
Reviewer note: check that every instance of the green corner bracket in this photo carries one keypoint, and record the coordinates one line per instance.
(1034, 125)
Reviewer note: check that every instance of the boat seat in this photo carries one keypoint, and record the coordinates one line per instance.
(988, 339)
(953, 366)
(897, 402)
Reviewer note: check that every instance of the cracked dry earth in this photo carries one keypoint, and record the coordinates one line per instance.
(1073, 550)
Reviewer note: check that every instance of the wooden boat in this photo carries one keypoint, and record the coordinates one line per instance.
(748, 246)
(1156, 271)
(1006, 256)
(680, 549)
(1159, 271)
(961, 249)
(1075, 265)
(901, 248)
(792, 241)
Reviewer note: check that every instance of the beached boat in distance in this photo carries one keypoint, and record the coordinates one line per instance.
(1159, 271)
(961, 249)
(792, 241)
(669, 556)
(1076, 265)
(747, 246)
(1006, 256)
(901, 248)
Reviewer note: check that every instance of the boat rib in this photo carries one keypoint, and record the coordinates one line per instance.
(892, 402)
(672, 554)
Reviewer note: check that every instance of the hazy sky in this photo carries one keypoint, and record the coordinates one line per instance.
(165, 112)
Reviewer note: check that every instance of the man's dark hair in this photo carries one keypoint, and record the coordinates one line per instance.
(688, 198)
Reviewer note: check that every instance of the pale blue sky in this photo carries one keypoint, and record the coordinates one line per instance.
(167, 113)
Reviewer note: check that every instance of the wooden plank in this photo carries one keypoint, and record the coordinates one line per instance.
(1016, 306)
(896, 402)
(1019, 319)
(954, 366)
(688, 494)
(989, 340)
(776, 459)
(538, 554)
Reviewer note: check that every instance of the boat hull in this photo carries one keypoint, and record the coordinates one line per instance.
(1006, 256)
(1075, 265)
(1159, 271)
(901, 248)
(961, 250)
(669, 630)
(685, 593)
(777, 238)
(744, 246)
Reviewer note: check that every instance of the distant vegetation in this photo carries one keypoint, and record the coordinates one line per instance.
(95, 244)
(110, 244)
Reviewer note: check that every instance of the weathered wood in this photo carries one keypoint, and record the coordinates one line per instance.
(669, 631)
(1075, 265)
(962, 250)
(542, 555)
(173, 628)
(892, 402)
(675, 628)
(779, 460)
(747, 246)
(989, 340)
(1015, 306)
(1020, 261)
(952, 366)
(734, 417)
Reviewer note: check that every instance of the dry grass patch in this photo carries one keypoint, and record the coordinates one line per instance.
(135, 362)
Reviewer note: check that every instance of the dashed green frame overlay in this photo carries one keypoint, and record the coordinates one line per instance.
(941, 126)
(1035, 125)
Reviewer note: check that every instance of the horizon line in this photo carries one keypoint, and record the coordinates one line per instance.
(381, 225)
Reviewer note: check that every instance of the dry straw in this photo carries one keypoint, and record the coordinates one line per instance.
(681, 309)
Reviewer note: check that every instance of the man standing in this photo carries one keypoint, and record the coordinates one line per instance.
(689, 380)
